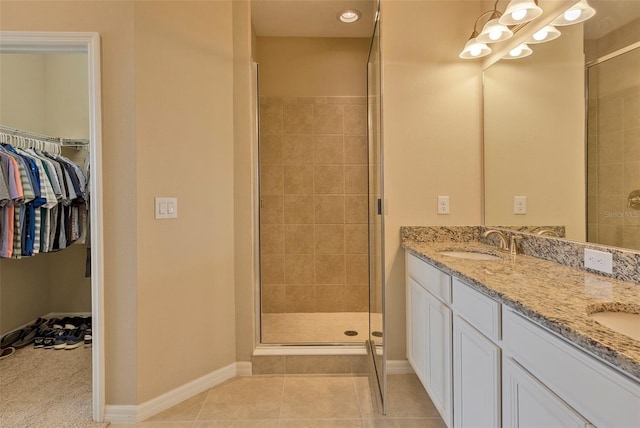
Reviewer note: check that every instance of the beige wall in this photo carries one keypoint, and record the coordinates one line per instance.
(431, 119)
(303, 66)
(534, 136)
(184, 140)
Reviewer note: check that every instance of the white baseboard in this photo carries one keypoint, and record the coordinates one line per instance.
(399, 367)
(133, 414)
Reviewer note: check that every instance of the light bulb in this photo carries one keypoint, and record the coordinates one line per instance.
(519, 14)
(541, 35)
(495, 34)
(348, 15)
(516, 51)
(572, 14)
(475, 51)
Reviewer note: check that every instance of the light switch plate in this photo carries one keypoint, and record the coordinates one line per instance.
(166, 208)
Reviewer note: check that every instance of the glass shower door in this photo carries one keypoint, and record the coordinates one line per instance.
(376, 224)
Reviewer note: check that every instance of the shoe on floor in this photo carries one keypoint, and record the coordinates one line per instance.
(60, 339)
(7, 352)
(27, 337)
(88, 338)
(10, 338)
(75, 338)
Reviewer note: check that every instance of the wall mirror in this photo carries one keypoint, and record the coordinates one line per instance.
(562, 129)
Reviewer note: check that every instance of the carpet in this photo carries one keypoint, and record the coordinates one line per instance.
(46, 388)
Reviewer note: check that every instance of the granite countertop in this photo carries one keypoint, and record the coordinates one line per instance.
(556, 296)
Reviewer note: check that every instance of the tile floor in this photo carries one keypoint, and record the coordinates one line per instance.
(293, 401)
(314, 327)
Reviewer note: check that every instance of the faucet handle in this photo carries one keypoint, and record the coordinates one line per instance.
(513, 247)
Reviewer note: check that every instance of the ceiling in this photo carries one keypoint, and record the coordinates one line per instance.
(317, 18)
(310, 18)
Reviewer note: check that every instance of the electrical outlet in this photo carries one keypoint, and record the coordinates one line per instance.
(598, 260)
(443, 205)
(519, 205)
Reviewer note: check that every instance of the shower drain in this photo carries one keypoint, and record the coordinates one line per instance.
(350, 333)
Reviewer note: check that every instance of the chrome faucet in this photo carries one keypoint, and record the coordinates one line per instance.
(503, 238)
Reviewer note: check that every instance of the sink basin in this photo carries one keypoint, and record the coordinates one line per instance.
(623, 322)
(470, 255)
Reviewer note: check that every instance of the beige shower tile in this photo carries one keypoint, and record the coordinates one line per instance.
(298, 179)
(272, 268)
(356, 297)
(271, 209)
(356, 179)
(433, 422)
(267, 364)
(347, 100)
(270, 149)
(272, 238)
(329, 269)
(322, 423)
(273, 298)
(610, 115)
(329, 239)
(328, 119)
(299, 268)
(631, 118)
(297, 149)
(329, 209)
(298, 209)
(632, 144)
(271, 99)
(272, 179)
(298, 119)
(300, 298)
(299, 239)
(328, 149)
(611, 148)
(631, 177)
(329, 179)
(330, 298)
(611, 234)
(318, 364)
(355, 120)
(356, 208)
(270, 119)
(631, 238)
(611, 209)
(355, 149)
(356, 239)
(319, 398)
(251, 397)
(611, 179)
(357, 267)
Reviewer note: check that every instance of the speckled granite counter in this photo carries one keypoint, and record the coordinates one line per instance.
(553, 295)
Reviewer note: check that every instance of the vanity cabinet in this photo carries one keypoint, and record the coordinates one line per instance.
(476, 358)
(429, 327)
(486, 365)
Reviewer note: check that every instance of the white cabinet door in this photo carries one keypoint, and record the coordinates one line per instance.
(417, 328)
(476, 377)
(528, 403)
(429, 345)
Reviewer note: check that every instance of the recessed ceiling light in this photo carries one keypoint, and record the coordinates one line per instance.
(349, 15)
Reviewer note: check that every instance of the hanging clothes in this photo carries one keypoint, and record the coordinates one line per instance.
(43, 202)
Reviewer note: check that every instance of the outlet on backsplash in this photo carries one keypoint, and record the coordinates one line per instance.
(598, 260)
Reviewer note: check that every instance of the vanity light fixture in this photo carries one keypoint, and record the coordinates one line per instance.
(493, 31)
(579, 12)
(349, 15)
(475, 48)
(519, 52)
(545, 34)
(520, 11)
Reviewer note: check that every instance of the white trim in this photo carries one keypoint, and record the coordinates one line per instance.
(262, 350)
(89, 43)
(135, 414)
(395, 367)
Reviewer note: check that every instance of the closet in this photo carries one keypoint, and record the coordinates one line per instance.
(44, 114)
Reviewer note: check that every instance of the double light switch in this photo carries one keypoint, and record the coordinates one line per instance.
(166, 208)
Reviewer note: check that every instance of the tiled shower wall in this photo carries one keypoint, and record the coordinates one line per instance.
(313, 216)
(614, 163)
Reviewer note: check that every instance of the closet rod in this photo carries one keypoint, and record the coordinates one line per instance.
(66, 142)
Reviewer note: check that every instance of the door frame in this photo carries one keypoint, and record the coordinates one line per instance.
(89, 43)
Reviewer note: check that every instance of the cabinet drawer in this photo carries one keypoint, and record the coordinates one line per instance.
(602, 395)
(480, 311)
(435, 281)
